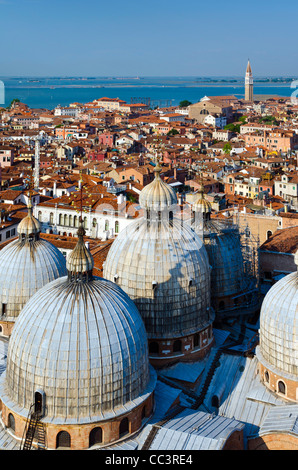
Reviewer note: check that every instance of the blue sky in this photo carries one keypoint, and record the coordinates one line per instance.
(153, 38)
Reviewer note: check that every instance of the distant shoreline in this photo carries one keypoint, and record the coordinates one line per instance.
(117, 85)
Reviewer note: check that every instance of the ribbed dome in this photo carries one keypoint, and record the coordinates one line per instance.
(157, 195)
(225, 256)
(84, 345)
(201, 204)
(26, 266)
(29, 226)
(80, 259)
(279, 326)
(163, 266)
(82, 342)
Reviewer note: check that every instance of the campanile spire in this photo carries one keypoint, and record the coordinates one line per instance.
(248, 83)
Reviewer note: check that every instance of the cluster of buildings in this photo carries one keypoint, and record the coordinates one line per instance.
(148, 275)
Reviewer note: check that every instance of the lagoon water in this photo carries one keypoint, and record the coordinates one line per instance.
(48, 92)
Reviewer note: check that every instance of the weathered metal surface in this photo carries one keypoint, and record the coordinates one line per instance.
(279, 326)
(163, 266)
(25, 267)
(84, 344)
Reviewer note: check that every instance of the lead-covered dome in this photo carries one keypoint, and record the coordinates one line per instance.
(157, 195)
(81, 342)
(278, 348)
(26, 265)
(233, 288)
(164, 268)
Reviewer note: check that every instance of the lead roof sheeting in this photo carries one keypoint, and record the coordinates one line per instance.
(165, 396)
(203, 424)
(220, 336)
(235, 401)
(184, 371)
(281, 418)
(167, 439)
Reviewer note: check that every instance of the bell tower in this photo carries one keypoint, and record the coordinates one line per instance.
(248, 83)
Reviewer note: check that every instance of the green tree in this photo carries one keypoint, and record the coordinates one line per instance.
(184, 103)
(227, 147)
(233, 127)
(173, 132)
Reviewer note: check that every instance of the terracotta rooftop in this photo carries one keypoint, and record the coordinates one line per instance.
(282, 241)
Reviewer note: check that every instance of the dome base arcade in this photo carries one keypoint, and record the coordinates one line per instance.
(80, 436)
(165, 352)
(278, 382)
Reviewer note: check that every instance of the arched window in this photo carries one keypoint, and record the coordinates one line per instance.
(94, 223)
(117, 226)
(177, 346)
(95, 436)
(107, 225)
(281, 387)
(51, 218)
(75, 221)
(266, 376)
(269, 234)
(39, 216)
(196, 340)
(153, 347)
(124, 427)
(71, 221)
(63, 439)
(60, 219)
(85, 222)
(65, 220)
(11, 422)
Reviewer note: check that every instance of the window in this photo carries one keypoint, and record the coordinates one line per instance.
(266, 377)
(95, 436)
(153, 347)
(124, 427)
(63, 439)
(281, 387)
(11, 422)
(177, 346)
(196, 340)
(117, 226)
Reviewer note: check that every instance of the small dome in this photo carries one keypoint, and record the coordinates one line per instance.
(279, 325)
(80, 259)
(29, 226)
(157, 195)
(201, 204)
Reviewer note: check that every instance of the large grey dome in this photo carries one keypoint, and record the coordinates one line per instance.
(163, 266)
(84, 345)
(279, 326)
(225, 255)
(26, 265)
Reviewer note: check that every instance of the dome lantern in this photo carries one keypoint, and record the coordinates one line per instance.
(158, 197)
(29, 228)
(79, 263)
